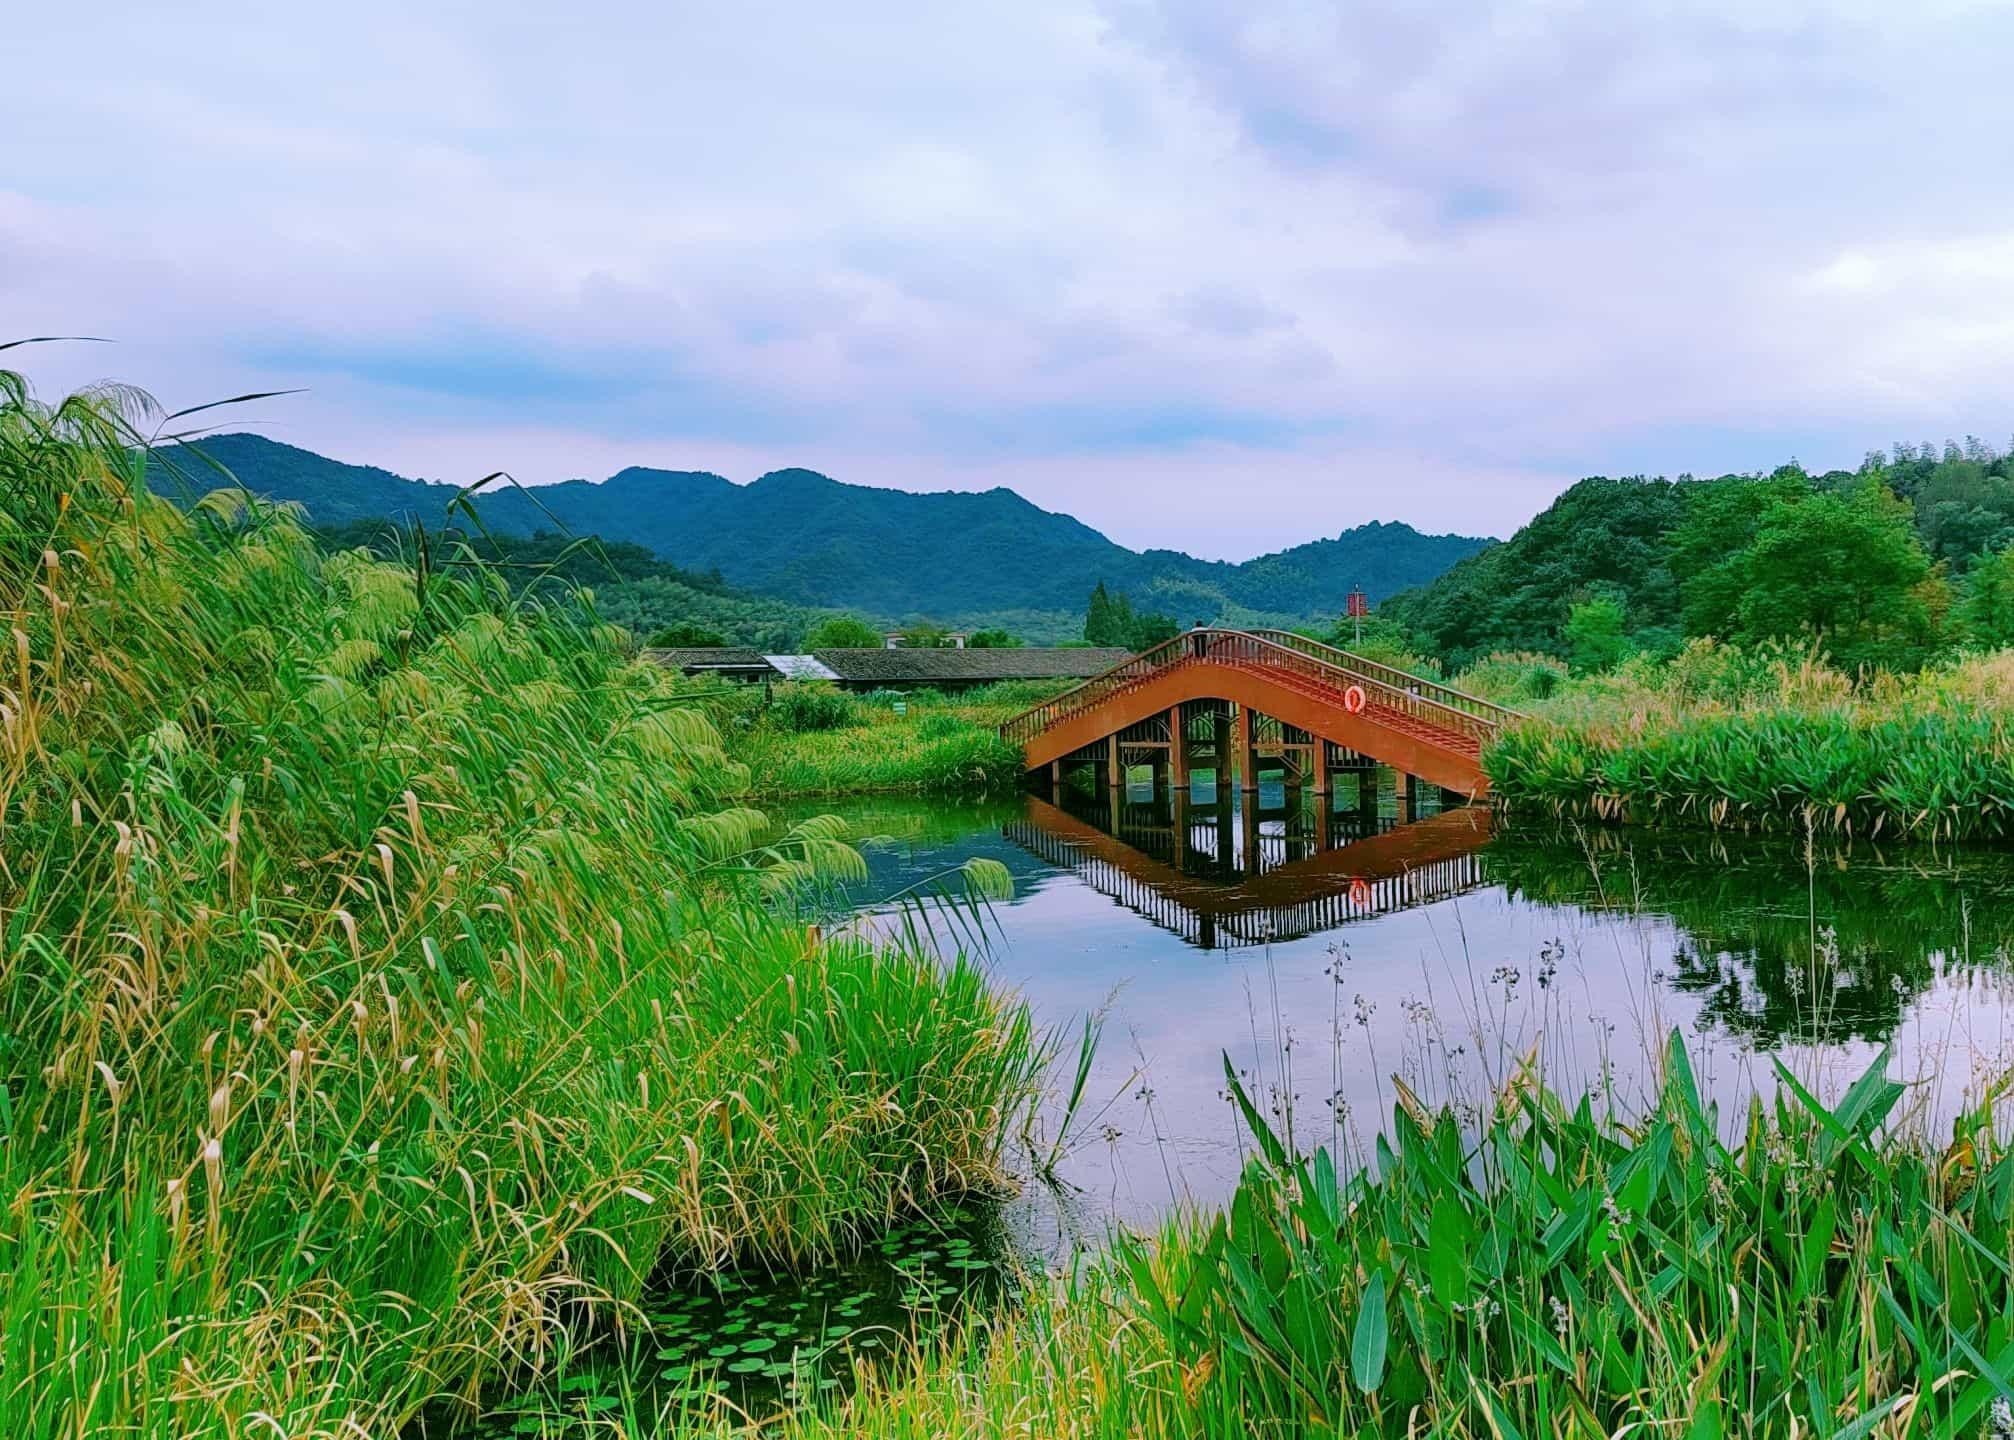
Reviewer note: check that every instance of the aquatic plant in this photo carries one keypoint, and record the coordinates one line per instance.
(385, 983)
(1946, 772)
(1553, 1273)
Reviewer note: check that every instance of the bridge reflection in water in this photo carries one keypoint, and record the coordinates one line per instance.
(1225, 870)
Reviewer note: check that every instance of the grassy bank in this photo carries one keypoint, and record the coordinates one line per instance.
(1765, 740)
(385, 984)
(1550, 1274)
(813, 740)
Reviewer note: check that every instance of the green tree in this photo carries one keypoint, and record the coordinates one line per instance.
(992, 638)
(1151, 629)
(1597, 636)
(1101, 620)
(1845, 567)
(683, 635)
(1708, 546)
(842, 632)
(925, 635)
(1963, 509)
(1988, 611)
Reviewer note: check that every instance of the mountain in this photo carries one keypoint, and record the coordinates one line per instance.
(956, 556)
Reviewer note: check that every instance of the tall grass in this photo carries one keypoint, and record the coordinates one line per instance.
(385, 985)
(1773, 742)
(922, 743)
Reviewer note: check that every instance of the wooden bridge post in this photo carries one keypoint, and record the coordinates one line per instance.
(1321, 758)
(1248, 769)
(1220, 744)
(1402, 797)
(1248, 826)
(1178, 751)
(1113, 773)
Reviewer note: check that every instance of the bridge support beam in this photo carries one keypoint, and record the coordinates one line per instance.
(1178, 752)
(1114, 773)
(1321, 767)
(1402, 797)
(1248, 769)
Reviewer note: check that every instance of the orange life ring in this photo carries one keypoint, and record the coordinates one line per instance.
(1353, 699)
(1360, 893)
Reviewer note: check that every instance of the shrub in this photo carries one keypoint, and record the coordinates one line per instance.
(1514, 677)
(802, 707)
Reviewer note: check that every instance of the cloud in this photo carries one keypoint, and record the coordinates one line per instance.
(1131, 256)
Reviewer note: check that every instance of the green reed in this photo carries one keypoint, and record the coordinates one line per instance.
(1946, 772)
(386, 983)
(934, 745)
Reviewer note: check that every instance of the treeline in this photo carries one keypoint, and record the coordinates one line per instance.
(1110, 619)
(1886, 565)
(573, 560)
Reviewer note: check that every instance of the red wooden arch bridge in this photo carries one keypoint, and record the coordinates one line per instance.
(1232, 700)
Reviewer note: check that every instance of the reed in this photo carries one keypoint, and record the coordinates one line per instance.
(386, 983)
(1782, 742)
(933, 744)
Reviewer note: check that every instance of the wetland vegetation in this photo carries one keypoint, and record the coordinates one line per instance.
(810, 739)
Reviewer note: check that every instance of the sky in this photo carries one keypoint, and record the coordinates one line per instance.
(1221, 277)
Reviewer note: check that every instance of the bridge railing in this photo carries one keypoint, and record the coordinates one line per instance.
(1445, 696)
(1427, 700)
(1121, 677)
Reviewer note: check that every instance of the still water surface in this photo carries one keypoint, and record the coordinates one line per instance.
(1326, 948)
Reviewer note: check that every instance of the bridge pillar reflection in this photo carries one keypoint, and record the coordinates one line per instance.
(1248, 829)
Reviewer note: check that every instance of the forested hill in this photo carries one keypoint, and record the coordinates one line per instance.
(1874, 559)
(811, 540)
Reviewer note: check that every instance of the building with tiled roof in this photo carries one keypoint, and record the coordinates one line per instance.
(898, 669)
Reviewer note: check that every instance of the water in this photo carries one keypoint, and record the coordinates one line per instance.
(1341, 953)
(1336, 955)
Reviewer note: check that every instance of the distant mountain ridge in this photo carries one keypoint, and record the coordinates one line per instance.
(812, 540)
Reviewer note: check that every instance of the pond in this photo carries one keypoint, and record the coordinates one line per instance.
(1340, 952)
(1335, 952)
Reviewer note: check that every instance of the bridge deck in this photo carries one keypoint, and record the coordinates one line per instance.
(1407, 721)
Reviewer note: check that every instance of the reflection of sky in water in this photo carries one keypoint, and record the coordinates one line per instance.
(1453, 995)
